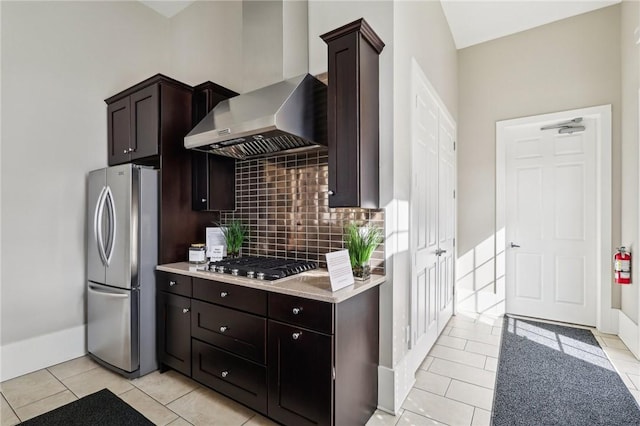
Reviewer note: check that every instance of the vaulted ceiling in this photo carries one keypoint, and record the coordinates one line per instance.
(472, 21)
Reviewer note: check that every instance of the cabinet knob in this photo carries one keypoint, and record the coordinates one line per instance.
(223, 294)
(204, 200)
(130, 149)
(296, 311)
(125, 151)
(297, 335)
(330, 192)
(185, 310)
(223, 329)
(172, 283)
(224, 373)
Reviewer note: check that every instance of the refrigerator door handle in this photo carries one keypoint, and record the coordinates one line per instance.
(108, 293)
(109, 201)
(97, 225)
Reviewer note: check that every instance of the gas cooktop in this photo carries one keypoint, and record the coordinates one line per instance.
(261, 268)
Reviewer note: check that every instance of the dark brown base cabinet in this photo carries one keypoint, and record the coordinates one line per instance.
(296, 360)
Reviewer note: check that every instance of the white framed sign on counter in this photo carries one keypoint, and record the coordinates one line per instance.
(339, 266)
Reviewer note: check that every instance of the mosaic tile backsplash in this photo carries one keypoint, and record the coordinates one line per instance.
(284, 202)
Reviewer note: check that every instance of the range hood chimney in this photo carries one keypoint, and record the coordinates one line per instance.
(284, 108)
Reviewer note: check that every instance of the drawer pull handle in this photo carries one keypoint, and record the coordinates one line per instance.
(296, 311)
(224, 374)
(223, 294)
(185, 310)
(297, 335)
(172, 283)
(223, 329)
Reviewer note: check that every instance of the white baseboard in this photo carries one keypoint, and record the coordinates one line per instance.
(394, 385)
(34, 354)
(629, 333)
(386, 390)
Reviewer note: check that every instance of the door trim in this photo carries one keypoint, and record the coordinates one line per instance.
(606, 316)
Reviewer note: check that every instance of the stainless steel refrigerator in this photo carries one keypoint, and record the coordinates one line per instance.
(122, 253)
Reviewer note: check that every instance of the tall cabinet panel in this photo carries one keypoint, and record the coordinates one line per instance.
(353, 117)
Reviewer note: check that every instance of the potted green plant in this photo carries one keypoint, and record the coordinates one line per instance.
(361, 241)
(234, 233)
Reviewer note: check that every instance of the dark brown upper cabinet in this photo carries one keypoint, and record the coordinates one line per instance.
(150, 120)
(214, 176)
(138, 119)
(353, 117)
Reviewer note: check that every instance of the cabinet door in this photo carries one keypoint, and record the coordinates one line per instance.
(174, 331)
(300, 375)
(214, 182)
(343, 123)
(119, 131)
(145, 116)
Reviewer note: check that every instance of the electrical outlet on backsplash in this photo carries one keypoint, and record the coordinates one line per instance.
(284, 202)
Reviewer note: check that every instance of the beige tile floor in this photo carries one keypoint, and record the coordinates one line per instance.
(454, 385)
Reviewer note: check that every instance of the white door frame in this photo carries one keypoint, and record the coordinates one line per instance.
(606, 316)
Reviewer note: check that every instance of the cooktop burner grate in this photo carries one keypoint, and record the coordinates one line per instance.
(261, 268)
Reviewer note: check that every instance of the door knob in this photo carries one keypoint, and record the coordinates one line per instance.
(440, 252)
(514, 245)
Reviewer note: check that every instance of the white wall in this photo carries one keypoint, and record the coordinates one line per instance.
(60, 60)
(205, 44)
(409, 29)
(629, 318)
(630, 181)
(564, 65)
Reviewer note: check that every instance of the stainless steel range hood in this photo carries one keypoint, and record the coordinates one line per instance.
(288, 116)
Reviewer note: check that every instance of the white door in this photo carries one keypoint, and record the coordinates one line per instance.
(446, 219)
(432, 216)
(550, 222)
(424, 213)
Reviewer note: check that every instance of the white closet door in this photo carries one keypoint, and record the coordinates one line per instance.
(433, 215)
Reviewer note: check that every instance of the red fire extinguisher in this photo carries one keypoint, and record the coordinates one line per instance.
(622, 266)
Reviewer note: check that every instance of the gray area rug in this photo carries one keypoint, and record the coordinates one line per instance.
(555, 375)
(102, 408)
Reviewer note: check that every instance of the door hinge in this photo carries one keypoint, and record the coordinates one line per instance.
(454, 193)
(454, 145)
(454, 242)
(333, 373)
(408, 334)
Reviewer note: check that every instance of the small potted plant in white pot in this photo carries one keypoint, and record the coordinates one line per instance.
(361, 241)
(234, 233)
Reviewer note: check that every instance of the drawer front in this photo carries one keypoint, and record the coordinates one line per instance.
(174, 283)
(302, 312)
(233, 296)
(238, 332)
(238, 378)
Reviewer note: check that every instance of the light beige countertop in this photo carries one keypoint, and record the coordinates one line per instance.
(311, 284)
